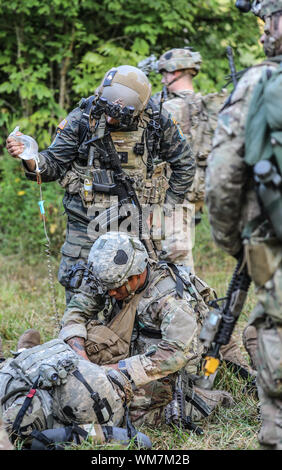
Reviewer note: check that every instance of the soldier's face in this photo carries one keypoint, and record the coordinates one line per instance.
(168, 77)
(121, 293)
(272, 36)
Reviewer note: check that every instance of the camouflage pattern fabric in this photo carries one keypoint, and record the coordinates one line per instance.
(58, 162)
(149, 402)
(180, 59)
(232, 203)
(5, 443)
(227, 178)
(268, 7)
(160, 309)
(62, 404)
(197, 118)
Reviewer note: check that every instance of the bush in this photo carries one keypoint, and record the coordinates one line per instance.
(21, 226)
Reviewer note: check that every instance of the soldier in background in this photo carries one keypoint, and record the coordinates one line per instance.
(195, 113)
(240, 221)
(197, 117)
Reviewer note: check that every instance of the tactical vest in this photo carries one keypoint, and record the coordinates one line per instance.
(132, 147)
(110, 343)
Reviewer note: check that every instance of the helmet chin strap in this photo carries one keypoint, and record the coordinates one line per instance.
(184, 72)
(131, 292)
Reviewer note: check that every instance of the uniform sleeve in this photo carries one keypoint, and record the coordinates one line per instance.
(80, 309)
(226, 175)
(178, 327)
(177, 152)
(57, 158)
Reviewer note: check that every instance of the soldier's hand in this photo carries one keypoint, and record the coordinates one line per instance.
(14, 147)
(78, 345)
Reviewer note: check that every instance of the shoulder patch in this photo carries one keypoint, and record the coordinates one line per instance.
(62, 124)
(178, 127)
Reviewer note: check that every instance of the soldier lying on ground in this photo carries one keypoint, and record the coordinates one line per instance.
(50, 394)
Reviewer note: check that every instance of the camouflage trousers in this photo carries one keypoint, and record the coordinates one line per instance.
(149, 402)
(5, 443)
(267, 318)
(75, 250)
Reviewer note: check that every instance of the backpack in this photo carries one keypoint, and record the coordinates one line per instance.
(264, 120)
(263, 147)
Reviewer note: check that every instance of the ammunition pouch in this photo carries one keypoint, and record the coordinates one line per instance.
(269, 360)
(149, 191)
(263, 258)
(71, 182)
(75, 275)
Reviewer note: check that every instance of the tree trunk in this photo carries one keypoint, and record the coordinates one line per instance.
(64, 71)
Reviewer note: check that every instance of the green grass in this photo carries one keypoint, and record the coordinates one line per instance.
(26, 301)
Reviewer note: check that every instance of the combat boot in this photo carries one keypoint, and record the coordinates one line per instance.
(250, 340)
(212, 399)
(2, 357)
(215, 398)
(235, 360)
(28, 339)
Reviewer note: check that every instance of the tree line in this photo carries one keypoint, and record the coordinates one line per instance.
(54, 53)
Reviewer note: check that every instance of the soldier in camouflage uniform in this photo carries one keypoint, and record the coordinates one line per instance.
(55, 388)
(68, 159)
(142, 318)
(196, 114)
(238, 222)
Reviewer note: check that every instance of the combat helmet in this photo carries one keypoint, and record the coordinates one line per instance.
(261, 8)
(269, 7)
(115, 256)
(180, 59)
(127, 84)
(249, 5)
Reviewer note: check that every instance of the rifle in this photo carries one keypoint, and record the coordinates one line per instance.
(121, 184)
(149, 64)
(220, 322)
(175, 410)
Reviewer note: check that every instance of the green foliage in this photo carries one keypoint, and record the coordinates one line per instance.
(54, 53)
(21, 228)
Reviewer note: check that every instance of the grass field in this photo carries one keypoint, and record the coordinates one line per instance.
(26, 301)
